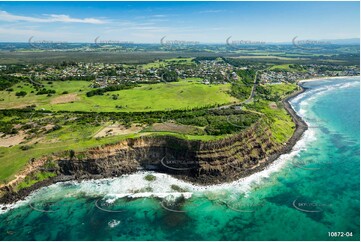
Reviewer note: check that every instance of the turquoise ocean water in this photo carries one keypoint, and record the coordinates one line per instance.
(303, 195)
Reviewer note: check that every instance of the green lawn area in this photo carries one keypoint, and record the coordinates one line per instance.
(12, 101)
(265, 57)
(280, 89)
(285, 67)
(151, 97)
(166, 62)
(188, 93)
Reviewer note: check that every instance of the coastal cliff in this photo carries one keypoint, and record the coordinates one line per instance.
(199, 162)
(195, 161)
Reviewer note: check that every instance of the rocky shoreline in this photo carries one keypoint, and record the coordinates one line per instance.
(195, 176)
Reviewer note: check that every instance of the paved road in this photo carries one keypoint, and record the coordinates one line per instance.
(34, 82)
(248, 99)
(253, 89)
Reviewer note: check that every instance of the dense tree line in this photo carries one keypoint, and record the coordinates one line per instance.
(21, 94)
(10, 69)
(7, 128)
(70, 78)
(101, 91)
(168, 75)
(236, 62)
(46, 91)
(7, 81)
(219, 122)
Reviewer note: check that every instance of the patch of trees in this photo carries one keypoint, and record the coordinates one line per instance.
(21, 94)
(15, 68)
(219, 122)
(69, 78)
(7, 128)
(6, 81)
(26, 147)
(296, 67)
(242, 89)
(247, 75)
(264, 92)
(169, 75)
(101, 91)
(45, 91)
(237, 62)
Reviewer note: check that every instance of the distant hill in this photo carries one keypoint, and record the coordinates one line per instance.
(352, 41)
(344, 41)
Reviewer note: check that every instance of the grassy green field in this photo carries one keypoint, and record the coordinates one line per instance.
(10, 100)
(267, 57)
(147, 97)
(285, 67)
(166, 62)
(280, 89)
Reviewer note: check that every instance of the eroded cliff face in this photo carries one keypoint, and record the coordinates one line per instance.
(196, 161)
(130, 155)
(199, 162)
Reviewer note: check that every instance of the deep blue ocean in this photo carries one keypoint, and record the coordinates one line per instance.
(303, 195)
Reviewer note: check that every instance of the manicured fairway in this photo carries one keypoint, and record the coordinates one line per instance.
(151, 97)
(147, 97)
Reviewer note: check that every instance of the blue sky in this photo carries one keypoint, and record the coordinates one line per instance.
(207, 22)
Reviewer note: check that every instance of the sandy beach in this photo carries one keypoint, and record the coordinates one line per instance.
(323, 78)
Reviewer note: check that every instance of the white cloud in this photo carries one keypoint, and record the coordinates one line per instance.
(212, 11)
(20, 32)
(49, 18)
(23, 34)
(158, 16)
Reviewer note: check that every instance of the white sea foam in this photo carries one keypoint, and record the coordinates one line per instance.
(7, 207)
(312, 94)
(323, 79)
(113, 223)
(305, 99)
